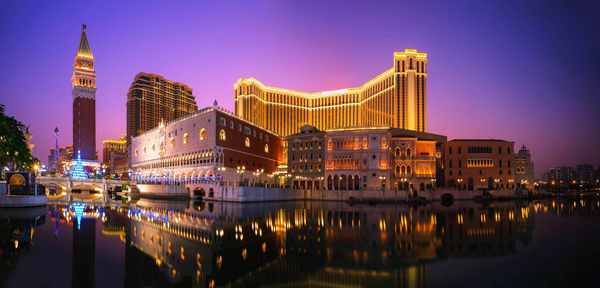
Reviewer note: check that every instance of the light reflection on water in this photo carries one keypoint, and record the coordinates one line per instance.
(283, 244)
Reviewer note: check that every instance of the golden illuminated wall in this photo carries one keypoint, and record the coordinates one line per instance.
(395, 98)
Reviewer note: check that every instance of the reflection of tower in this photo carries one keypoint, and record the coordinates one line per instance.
(84, 100)
(84, 257)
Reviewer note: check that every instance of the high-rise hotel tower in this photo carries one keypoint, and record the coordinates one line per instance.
(84, 100)
(395, 98)
(152, 98)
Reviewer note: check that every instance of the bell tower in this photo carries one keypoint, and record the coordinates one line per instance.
(84, 100)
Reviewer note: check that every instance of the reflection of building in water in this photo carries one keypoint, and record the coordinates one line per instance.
(84, 254)
(17, 227)
(328, 244)
(492, 231)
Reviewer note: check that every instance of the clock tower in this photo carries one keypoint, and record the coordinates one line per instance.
(84, 100)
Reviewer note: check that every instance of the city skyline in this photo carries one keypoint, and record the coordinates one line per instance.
(527, 109)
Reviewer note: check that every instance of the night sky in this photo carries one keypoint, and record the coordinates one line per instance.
(524, 71)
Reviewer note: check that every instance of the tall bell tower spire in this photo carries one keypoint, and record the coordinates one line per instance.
(84, 99)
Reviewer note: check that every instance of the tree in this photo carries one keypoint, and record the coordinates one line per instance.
(14, 150)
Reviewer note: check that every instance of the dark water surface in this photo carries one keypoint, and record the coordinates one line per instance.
(546, 243)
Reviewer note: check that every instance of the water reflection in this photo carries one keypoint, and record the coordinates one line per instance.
(292, 244)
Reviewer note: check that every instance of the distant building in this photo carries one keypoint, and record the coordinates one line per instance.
(382, 158)
(208, 145)
(84, 100)
(523, 168)
(56, 161)
(475, 163)
(152, 98)
(585, 174)
(561, 176)
(110, 146)
(306, 151)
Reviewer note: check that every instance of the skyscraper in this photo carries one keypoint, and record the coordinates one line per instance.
(84, 100)
(395, 98)
(152, 98)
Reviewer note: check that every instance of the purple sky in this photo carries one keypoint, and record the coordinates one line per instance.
(526, 71)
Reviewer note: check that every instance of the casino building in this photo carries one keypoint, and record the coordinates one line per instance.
(211, 145)
(395, 98)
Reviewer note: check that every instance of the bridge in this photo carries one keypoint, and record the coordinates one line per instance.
(97, 189)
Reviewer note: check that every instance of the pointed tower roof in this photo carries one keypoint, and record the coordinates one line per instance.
(84, 46)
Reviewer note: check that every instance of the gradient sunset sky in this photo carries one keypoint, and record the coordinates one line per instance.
(523, 71)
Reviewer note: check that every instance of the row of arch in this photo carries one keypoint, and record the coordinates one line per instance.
(343, 182)
(407, 169)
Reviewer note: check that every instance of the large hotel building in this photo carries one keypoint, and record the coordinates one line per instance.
(152, 98)
(395, 98)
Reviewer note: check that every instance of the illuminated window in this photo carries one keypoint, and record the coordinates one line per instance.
(247, 142)
(136, 152)
(365, 143)
(182, 254)
(172, 141)
(186, 138)
(397, 152)
(203, 134)
(144, 150)
(397, 170)
(267, 148)
(408, 170)
(153, 147)
(329, 145)
(222, 135)
(408, 152)
(383, 143)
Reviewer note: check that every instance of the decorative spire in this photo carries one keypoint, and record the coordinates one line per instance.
(84, 46)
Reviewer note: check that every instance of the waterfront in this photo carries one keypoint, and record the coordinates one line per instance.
(302, 244)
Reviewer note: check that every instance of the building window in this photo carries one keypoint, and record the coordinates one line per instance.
(203, 134)
(397, 152)
(459, 163)
(383, 143)
(365, 143)
(240, 127)
(172, 141)
(267, 138)
(153, 147)
(231, 124)
(186, 138)
(459, 150)
(450, 164)
(449, 150)
(222, 121)
(267, 148)
(247, 142)
(408, 152)
(136, 152)
(499, 150)
(222, 135)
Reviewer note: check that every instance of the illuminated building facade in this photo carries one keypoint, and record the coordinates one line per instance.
(84, 100)
(113, 146)
(152, 98)
(306, 151)
(524, 168)
(479, 163)
(210, 144)
(381, 158)
(395, 98)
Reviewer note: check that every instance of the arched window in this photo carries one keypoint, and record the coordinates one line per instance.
(153, 147)
(186, 138)
(403, 169)
(383, 143)
(203, 134)
(397, 170)
(397, 152)
(329, 145)
(408, 170)
(266, 148)
(408, 152)
(356, 143)
(247, 142)
(365, 143)
(222, 135)
(172, 141)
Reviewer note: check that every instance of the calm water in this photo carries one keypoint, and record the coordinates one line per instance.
(548, 243)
